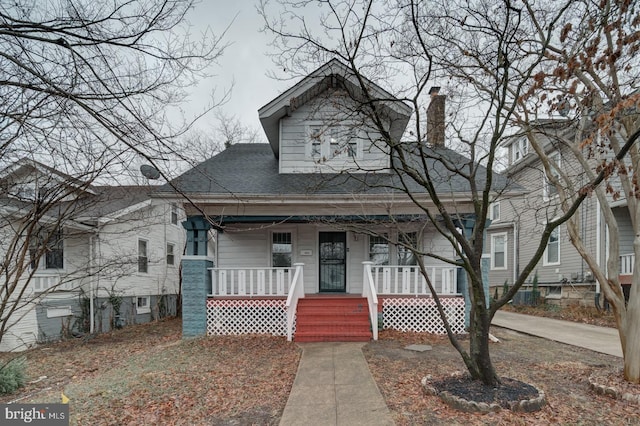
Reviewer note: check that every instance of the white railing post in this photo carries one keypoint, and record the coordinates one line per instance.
(296, 292)
(369, 291)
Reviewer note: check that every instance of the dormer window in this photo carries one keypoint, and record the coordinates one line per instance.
(519, 150)
(326, 143)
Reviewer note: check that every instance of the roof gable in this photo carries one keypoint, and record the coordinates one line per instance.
(333, 74)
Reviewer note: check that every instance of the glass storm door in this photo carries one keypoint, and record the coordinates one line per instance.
(333, 265)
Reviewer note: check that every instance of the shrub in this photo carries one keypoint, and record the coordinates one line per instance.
(12, 376)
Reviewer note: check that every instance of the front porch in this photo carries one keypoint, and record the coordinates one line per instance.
(267, 300)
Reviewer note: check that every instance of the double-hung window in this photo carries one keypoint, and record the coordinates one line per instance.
(143, 256)
(552, 252)
(499, 251)
(47, 246)
(174, 214)
(407, 243)
(549, 190)
(494, 211)
(281, 249)
(379, 249)
(171, 256)
(519, 149)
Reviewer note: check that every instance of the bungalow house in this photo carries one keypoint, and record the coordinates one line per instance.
(312, 231)
(563, 276)
(81, 258)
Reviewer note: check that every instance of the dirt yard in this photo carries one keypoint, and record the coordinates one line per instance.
(561, 371)
(147, 374)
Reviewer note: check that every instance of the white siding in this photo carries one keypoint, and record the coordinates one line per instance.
(117, 251)
(294, 149)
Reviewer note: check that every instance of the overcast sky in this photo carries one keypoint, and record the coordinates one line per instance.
(243, 65)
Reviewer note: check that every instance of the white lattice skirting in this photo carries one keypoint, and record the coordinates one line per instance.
(242, 316)
(421, 314)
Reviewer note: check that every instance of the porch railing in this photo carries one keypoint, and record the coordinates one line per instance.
(369, 291)
(407, 280)
(251, 282)
(296, 292)
(49, 282)
(626, 264)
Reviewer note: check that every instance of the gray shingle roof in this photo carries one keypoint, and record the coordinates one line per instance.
(252, 169)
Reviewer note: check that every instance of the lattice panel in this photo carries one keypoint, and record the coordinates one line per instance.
(421, 314)
(238, 316)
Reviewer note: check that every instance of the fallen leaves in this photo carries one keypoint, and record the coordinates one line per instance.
(147, 374)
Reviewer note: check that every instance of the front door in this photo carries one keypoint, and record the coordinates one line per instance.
(333, 261)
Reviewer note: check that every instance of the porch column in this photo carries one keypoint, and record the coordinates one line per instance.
(196, 277)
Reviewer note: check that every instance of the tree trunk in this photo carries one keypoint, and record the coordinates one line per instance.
(631, 325)
(479, 364)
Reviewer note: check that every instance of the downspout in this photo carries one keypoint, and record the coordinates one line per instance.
(91, 307)
(598, 238)
(516, 250)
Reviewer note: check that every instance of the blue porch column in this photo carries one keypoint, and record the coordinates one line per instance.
(196, 277)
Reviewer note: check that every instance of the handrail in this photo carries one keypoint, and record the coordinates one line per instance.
(369, 291)
(296, 292)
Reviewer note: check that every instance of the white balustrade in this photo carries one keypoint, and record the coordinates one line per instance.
(407, 280)
(43, 283)
(250, 282)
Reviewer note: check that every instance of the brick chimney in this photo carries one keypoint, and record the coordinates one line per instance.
(435, 118)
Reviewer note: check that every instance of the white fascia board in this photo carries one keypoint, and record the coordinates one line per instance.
(73, 224)
(131, 209)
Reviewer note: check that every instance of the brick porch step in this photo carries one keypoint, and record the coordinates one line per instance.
(332, 319)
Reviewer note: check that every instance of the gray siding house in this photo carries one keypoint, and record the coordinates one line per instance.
(563, 276)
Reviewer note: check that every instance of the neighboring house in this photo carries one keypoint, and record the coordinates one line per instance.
(315, 213)
(563, 276)
(82, 258)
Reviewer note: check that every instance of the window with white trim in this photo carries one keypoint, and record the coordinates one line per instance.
(328, 142)
(171, 256)
(47, 249)
(174, 214)
(494, 211)
(549, 190)
(407, 241)
(281, 249)
(552, 252)
(499, 251)
(143, 256)
(143, 304)
(519, 149)
(379, 249)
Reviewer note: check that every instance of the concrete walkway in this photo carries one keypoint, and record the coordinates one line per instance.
(598, 339)
(334, 386)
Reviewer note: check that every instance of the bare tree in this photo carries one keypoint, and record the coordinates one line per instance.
(591, 79)
(88, 89)
(487, 55)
